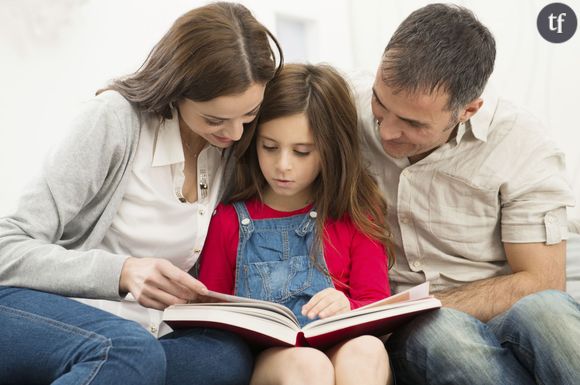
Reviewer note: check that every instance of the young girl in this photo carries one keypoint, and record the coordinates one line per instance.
(301, 188)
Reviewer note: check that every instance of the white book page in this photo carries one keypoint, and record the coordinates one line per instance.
(417, 292)
(258, 311)
(244, 320)
(326, 325)
(215, 297)
(384, 310)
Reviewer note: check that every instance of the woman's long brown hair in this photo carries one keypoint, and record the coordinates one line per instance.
(215, 50)
(344, 186)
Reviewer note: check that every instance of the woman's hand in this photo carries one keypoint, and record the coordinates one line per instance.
(157, 283)
(326, 303)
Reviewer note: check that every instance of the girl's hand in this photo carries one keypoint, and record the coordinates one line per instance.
(157, 283)
(326, 303)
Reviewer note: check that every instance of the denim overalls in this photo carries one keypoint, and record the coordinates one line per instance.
(273, 261)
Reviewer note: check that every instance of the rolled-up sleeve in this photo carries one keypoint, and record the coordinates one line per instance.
(534, 200)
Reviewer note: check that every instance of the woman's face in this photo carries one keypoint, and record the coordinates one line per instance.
(221, 120)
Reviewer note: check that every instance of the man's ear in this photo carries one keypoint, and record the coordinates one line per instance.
(470, 109)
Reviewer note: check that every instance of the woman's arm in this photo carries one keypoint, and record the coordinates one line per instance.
(49, 242)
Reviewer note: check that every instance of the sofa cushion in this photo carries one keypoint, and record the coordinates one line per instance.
(573, 266)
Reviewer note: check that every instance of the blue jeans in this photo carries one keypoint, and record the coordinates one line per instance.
(536, 341)
(46, 338)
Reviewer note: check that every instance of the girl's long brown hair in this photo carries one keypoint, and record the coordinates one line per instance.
(344, 187)
(215, 50)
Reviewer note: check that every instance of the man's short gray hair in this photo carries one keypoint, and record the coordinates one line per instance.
(440, 47)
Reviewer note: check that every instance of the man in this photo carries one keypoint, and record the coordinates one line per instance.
(477, 206)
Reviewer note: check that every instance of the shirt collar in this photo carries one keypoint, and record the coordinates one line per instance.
(168, 148)
(480, 123)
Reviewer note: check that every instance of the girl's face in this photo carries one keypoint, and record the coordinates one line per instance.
(221, 120)
(289, 161)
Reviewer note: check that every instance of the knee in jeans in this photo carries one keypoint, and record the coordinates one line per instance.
(140, 351)
(238, 356)
(540, 308)
(154, 360)
(443, 332)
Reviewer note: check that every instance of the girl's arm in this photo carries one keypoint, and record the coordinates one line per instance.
(369, 281)
(218, 258)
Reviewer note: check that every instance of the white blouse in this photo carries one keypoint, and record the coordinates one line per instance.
(153, 220)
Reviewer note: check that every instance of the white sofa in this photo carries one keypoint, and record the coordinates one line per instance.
(573, 262)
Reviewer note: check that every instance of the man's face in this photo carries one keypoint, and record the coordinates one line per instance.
(411, 125)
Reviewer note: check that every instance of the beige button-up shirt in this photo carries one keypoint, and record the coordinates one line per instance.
(500, 180)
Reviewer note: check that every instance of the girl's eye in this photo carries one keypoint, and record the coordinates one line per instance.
(302, 153)
(268, 148)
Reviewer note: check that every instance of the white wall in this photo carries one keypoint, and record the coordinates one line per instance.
(56, 53)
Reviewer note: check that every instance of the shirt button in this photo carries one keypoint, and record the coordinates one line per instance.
(153, 329)
(417, 264)
(201, 212)
(313, 214)
(405, 173)
(246, 221)
(196, 251)
(405, 220)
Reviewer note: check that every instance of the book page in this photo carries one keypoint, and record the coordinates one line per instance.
(215, 297)
(256, 310)
(248, 322)
(417, 292)
(386, 316)
(383, 309)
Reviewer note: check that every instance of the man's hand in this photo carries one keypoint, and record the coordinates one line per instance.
(326, 303)
(157, 283)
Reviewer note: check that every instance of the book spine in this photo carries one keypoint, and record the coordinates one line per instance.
(301, 340)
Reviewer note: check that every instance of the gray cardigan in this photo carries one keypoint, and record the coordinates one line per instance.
(50, 242)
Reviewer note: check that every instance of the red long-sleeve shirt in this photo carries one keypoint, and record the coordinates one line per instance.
(357, 263)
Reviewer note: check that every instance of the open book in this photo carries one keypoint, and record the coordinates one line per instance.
(270, 324)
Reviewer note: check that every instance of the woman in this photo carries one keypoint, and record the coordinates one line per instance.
(121, 211)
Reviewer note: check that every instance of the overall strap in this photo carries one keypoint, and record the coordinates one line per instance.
(307, 224)
(245, 221)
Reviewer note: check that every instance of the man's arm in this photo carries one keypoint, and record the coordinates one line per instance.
(535, 267)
